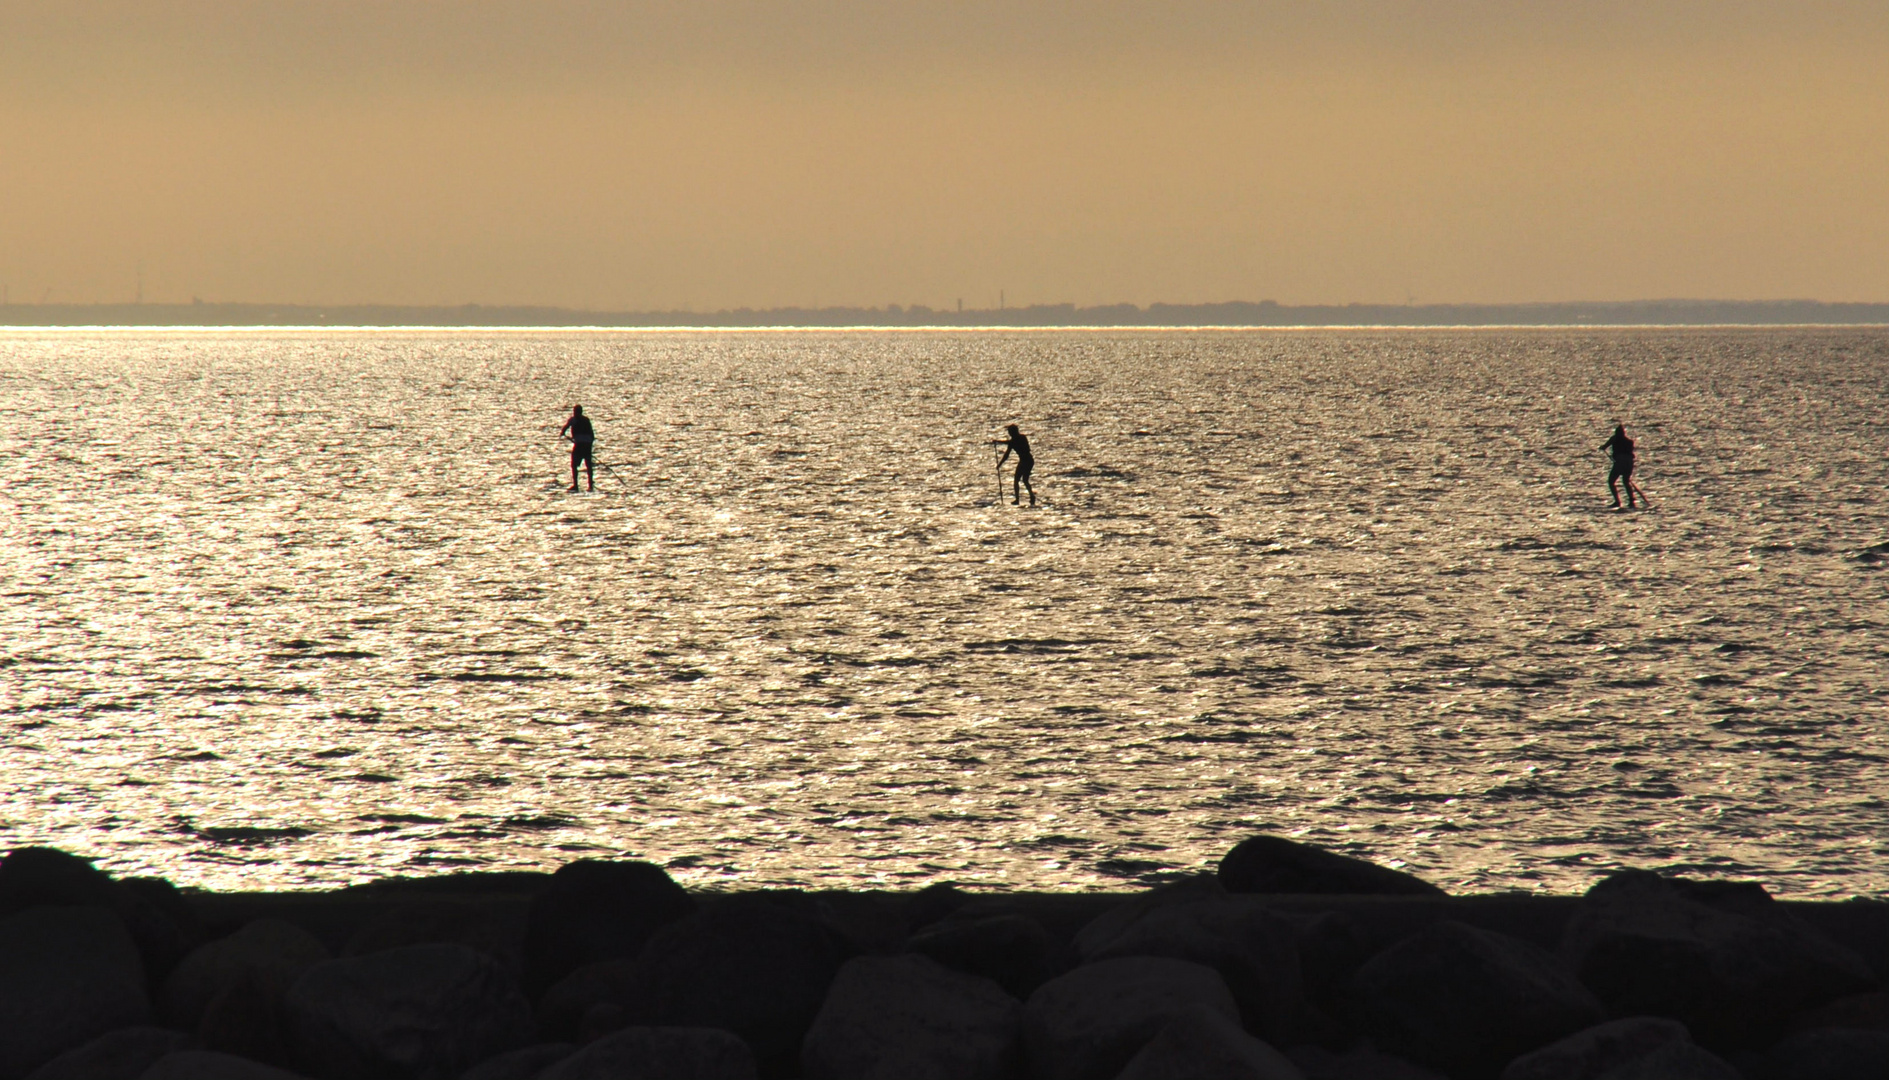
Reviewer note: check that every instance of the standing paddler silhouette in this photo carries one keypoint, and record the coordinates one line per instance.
(1026, 462)
(583, 438)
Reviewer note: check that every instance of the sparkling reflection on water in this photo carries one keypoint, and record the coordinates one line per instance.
(290, 609)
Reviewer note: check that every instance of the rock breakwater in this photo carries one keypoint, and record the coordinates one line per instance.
(1289, 964)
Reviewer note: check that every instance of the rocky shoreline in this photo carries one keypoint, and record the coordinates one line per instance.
(1290, 963)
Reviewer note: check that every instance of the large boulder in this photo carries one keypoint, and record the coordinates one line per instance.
(263, 957)
(1088, 1023)
(1723, 959)
(47, 877)
(1587, 1054)
(1466, 1000)
(1013, 950)
(118, 1055)
(1674, 1061)
(659, 1053)
(67, 976)
(1272, 864)
(1203, 1044)
(754, 965)
(909, 1018)
(593, 911)
(212, 1065)
(424, 1012)
(1254, 949)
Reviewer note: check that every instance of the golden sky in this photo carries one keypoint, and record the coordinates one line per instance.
(634, 154)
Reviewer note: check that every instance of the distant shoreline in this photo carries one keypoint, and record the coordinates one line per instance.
(1235, 315)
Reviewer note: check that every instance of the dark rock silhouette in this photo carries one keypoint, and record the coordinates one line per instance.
(1203, 1042)
(1087, 1024)
(1015, 951)
(524, 1063)
(67, 975)
(435, 923)
(897, 1016)
(1357, 1063)
(263, 958)
(211, 1065)
(659, 1053)
(1254, 949)
(118, 1055)
(1271, 864)
(593, 911)
(1723, 958)
(1598, 1050)
(48, 877)
(1830, 1054)
(1467, 1000)
(420, 1012)
(755, 966)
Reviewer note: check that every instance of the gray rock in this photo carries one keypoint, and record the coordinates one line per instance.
(593, 911)
(212, 1065)
(1674, 1061)
(1272, 864)
(420, 1012)
(1014, 950)
(264, 956)
(1467, 1001)
(1358, 1063)
(909, 1018)
(758, 966)
(1830, 1054)
(67, 976)
(1254, 950)
(1586, 1054)
(522, 1064)
(659, 1053)
(119, 1055)
(1721, 957)
(1087, 1024)
(1203, 1044)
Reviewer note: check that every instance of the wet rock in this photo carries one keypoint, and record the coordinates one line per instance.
(435, 923)
(67, 976)
(1015, 951)
(898, 1017)
(1272, 864)
(592, 911)
(521, 1064)
(1255, 950)
(1358, 1063)
(659, 1053)
(1589, 1053)
(423, 1011)
(211, 1065)
(1830, 1054)
(1466, 1000)
(1203, 1044)
(265, 956)
(754, 965)
(1087, 1024)
(1727, 961)
(118, 1055)
(47, 877)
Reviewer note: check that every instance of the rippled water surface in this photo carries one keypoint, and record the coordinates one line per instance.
(291, 609)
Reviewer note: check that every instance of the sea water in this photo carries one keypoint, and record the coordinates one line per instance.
(291, 609)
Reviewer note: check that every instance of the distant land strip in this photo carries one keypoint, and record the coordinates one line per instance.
(1235, 313)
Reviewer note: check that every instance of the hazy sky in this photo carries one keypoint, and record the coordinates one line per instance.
(714, 153)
